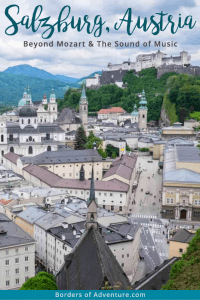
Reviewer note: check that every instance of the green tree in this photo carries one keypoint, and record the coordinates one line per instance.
(112, 151)
(80, 139)
(42, 281)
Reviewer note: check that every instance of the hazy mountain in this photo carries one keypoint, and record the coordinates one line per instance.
(35, 72)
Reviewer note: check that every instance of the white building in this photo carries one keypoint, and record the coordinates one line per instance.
(17, 255)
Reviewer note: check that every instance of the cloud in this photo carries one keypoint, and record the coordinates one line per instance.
(81, 61)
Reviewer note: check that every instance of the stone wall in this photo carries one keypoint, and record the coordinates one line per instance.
(191, 70)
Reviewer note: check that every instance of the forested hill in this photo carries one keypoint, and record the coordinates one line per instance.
(179, 94)
(111, 95)
(12, 88)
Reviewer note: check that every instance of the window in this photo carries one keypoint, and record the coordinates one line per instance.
(16, 250)
(99, 194)
(7, 273)
(180, 250)
(26, 269)
(63, 174)
(30, 150)
(7, 262)
(7, 252)
(70, 174)
(2, 138)
(120, 195)
(122, 255)
(7, 282)
(17, 281)
(105, 194)
(12, 149)
(104, 206)
(26, 258)
(111, 194)
(30, 138)
(35, 121)
(22, 121)
(17, 260)
(112, 207)
(127, 255)
(81, 192)
(26, 278)
(76, 173)
(29, 121)
(122, 264)
(26, 248)
(120, 208)
(17, 271)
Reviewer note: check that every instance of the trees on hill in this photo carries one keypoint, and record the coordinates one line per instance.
(42, 281)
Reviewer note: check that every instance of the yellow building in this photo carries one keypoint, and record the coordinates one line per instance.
(67, 163)
(177, 130)
(181, 183)
(179, 243)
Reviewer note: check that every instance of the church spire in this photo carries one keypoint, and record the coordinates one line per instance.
(92, 189)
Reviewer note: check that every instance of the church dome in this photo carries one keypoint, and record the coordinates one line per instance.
(22, 102)
(28, 111)
(134, 112)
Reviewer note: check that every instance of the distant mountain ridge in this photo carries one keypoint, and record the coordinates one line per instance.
(35, 72)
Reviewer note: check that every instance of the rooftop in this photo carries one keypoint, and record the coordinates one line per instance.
(11, 234)
(183, 236)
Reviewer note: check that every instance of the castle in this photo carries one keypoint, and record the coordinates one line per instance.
(115, 72)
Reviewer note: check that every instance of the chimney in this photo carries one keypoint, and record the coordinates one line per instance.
(63, 237)
(65, 225)
(74, 231)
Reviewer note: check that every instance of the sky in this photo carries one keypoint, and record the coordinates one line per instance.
(82, 61)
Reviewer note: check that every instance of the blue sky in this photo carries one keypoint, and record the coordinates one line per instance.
(78, 62)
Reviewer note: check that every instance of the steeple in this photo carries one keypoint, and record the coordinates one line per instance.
(82, 174)
(92, 189)
(83, 96)
(83, 109)
(92, 206)
(143, 101)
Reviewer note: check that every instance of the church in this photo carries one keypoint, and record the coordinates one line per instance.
(28, 135)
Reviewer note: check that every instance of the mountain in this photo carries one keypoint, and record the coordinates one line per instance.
(35, 72)
(12, 88)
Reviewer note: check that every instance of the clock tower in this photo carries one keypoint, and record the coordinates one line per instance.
(83, 109)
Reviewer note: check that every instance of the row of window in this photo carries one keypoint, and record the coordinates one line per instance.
(197, 202)
(170, 200)
(17, 250)
(17, 281)
(169, 212)
(17, 260)
(112, 207)
(196, 214)
(17, 271)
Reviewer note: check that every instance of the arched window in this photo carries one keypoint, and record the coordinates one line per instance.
(12, 149)
(22, 121)
(11, 137)
(143, 116)
(29, 121)
(2, 153)
(30, 150)
(49, 148)
(30, 138)
(84, 107)
(40, 120)
(35, 121)
(2, 138)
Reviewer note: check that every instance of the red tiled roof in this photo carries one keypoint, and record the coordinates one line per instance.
(5, 202)
(13, 157)
(112, 110)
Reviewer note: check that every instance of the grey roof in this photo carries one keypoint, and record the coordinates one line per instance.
(52, 219)
(13, 127)
(156, 278)
(37, 103)
(30, 129)
(113, 76)
(11, 234)
(61, 156)
(68, 116)
(182, 175)
(183, 236)
(32, 214)
(188, 154)
(91, 270)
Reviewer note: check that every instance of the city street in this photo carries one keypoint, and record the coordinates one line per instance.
(145, 199)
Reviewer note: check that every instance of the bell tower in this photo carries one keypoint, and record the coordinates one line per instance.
(92, 206)
(142, 112)
(83, 109)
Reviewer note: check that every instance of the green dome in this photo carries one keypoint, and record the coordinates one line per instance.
(22, 102)
(143, 101)
(135, 112)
